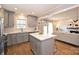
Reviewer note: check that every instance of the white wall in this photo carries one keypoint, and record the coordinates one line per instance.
(62, 20)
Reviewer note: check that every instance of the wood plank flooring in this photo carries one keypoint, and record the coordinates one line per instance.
(25, 49)
(19, 49)
(66, 49)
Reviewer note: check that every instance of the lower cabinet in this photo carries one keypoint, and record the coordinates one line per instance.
(13, 39)
(71, 38)
(22, 37)
(45, 47)
(35, 45)
(10, 39)
(16, 38)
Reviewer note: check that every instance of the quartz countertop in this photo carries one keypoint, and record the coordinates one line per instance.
(18, 32)
(42, 36)
(67, 33)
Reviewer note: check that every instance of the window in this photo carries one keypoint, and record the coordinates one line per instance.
(45, 28)
(21, 23)
(48, 28)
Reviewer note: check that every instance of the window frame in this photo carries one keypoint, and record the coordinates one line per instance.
(18, 25)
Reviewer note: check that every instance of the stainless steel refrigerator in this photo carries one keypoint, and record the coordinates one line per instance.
(1, 36)
(1, 25)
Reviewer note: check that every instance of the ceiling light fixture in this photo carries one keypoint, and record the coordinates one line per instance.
(15, 8)
(32, 13)
(76, 15)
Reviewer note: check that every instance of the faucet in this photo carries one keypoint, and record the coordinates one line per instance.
(21, 29)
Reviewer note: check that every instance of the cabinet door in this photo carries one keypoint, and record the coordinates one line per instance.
(11, 19)
(32, 42)
(31, 20)
(19, 37)
(13, 38)
(6, 21)
(25, 37)
(9, 39)
(38, 47)
(22, 37)
(35, 45)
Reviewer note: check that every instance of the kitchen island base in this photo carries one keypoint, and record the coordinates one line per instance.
(42, 47)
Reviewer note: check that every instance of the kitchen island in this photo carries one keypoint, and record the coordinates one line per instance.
(42, 44)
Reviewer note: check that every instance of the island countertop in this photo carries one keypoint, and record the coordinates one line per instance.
(42, 37)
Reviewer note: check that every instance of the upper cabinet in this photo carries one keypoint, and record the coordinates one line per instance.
(5, 18)
(32, 20)
(11, 19)
(1, 12)
(8, 19)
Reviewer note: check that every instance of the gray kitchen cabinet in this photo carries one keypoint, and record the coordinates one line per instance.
(11, 19)
(8, 19)
(71, 38)
(19, 37)
(16, 38)
(31, 21)
(34, 45)
(25, 36)
(11, 39)
(5, 18)
(22, 37)
(41, 47)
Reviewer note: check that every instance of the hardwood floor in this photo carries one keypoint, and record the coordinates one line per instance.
(66, 49)
(20, 49)
(25, 49)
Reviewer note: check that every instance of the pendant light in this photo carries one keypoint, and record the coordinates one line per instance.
(77, 15)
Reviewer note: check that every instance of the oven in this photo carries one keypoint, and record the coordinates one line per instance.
(3, 45)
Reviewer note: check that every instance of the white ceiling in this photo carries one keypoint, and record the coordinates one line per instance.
(38, 9)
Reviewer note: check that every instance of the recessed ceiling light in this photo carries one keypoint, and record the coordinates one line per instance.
(46, 16)
(15, 8)
(32, 12)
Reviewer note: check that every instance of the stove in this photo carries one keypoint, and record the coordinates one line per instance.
(74, 32)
